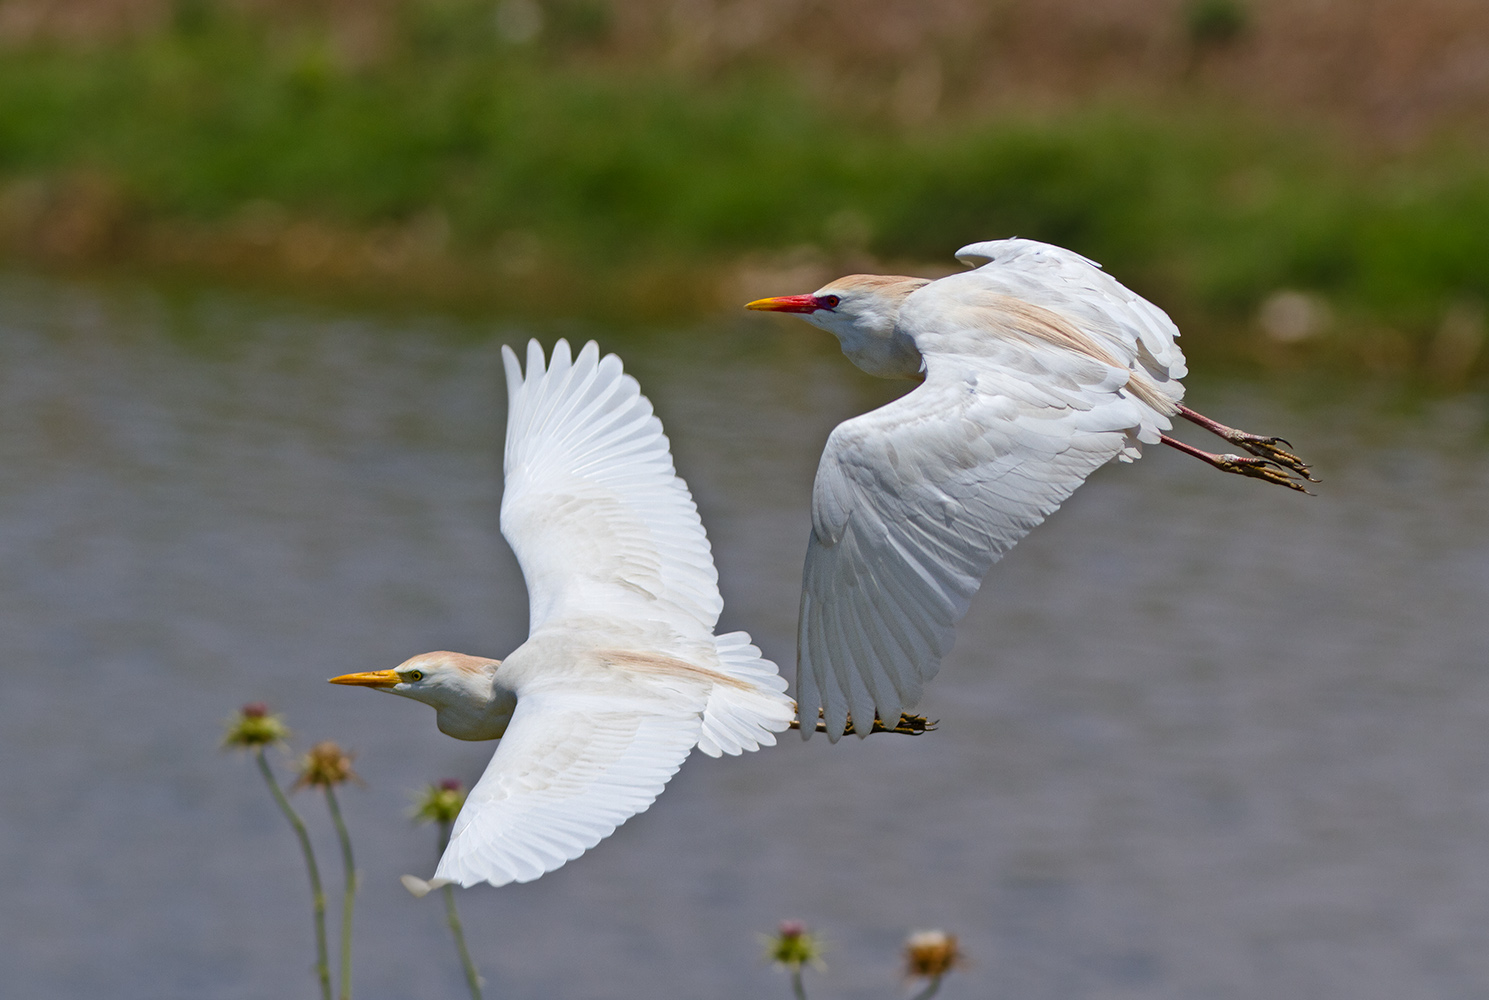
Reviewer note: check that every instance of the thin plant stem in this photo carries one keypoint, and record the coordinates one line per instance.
(797, 988)
(351, 893)
(930, 990)
(472, 978)
(317, 894)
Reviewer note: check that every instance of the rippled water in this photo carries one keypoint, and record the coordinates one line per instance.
(1200, 737)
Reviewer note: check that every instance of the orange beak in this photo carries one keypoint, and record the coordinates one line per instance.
(370, 678)
(788, 304)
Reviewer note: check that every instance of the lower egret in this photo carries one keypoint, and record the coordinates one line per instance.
(621, 675)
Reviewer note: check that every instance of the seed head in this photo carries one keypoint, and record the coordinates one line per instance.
(791, 946)
(253, 726)
(326, 765)
(931, 954)
(440, 803)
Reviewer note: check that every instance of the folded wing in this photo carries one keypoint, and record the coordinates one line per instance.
(1135, 331)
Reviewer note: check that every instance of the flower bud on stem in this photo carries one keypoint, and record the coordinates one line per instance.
(793, 948)
(317, 894)
(441, 804)
(253, 728)
(326, 766)
(930, 955)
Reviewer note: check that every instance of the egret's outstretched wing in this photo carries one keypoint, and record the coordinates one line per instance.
(570, 769)
(914, 501)
(592, 507)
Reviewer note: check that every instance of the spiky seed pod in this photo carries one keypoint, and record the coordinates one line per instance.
(440, 803)
(325, 766)
(792, 947)
(931, 954)
(254, 726)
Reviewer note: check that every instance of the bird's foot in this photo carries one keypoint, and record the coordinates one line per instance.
(1267, 469)
(909, 725)
(1270, 448)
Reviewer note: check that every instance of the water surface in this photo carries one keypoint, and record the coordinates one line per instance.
(1200, 737)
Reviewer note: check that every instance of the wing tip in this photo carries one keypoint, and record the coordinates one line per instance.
(419, 888)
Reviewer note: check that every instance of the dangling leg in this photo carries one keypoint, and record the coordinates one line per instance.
(1256, 468)
(1262, 447)
(909, 725)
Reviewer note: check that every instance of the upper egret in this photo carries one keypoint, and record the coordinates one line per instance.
(621, 674)
(1036, 368)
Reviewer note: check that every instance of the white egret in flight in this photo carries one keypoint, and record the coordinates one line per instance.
(1036, 367)
(621, 674)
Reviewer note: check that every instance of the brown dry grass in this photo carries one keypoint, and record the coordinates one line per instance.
(1392, 70)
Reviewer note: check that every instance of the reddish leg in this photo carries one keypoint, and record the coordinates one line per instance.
(1256, 468)
(1259, 445)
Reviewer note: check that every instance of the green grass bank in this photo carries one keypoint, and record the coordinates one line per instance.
(545, 177)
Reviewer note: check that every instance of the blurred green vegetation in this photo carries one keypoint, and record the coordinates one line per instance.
(604, 166)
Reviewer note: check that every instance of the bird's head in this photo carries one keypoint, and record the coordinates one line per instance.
(462, 689)
(861, 310)
(857, 305)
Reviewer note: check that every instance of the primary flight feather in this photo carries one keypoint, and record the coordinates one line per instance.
(621, 675)
(1036, 368)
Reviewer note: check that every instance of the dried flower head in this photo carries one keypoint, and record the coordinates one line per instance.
(326, 765)
(792, 946)
(253, 726)
(440, 803)
(931, 954)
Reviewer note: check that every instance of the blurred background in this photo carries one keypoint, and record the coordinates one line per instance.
(1313, 170)
(1200, 737)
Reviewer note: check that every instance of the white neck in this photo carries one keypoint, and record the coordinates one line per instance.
(471, 720)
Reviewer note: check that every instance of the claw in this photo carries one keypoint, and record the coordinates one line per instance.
(1264, 466)
(1267, 448)
(1259, 445)
(909, 725)
(1261, 468)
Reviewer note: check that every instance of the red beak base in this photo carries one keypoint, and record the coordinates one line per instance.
(789, 304)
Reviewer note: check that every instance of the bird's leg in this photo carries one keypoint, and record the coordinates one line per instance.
(1263, 447)
(1256, 468)
(909, 725)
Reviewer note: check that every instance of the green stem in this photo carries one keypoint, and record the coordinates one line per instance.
(350, 897)
(930, 990)
(317, 894)
(472, 979)
(797, 987)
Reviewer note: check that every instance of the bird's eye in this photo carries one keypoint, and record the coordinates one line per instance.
(416, 675)
(830, 301)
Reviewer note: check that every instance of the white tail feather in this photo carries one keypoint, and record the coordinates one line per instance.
(739, 719)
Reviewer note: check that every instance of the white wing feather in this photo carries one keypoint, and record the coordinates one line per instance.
(570, 769)
(913, 502)
(1136, 330)
(600, 522)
